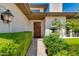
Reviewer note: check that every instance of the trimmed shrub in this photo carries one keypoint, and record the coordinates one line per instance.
(8, 48)
(15, 44)
(54, 44)
(48, 40)
(62, 53)
(71, 51)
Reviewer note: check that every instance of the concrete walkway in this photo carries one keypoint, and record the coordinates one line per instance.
(40, 47)
(36, 48)
(33, 48)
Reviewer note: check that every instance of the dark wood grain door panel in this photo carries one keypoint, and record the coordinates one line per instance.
(37, 29)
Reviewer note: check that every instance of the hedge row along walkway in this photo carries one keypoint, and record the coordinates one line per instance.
(36, 48)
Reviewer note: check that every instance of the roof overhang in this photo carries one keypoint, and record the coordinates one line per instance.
(24, 8)
(41, 15)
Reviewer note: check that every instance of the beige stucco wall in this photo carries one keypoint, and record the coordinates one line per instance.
(31, 26)
(55, 7)
(50, 19)
(19, 22)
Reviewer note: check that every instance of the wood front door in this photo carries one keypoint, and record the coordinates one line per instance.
(37, 29)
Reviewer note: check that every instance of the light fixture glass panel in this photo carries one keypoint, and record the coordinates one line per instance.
(10, 18)
(5, 17)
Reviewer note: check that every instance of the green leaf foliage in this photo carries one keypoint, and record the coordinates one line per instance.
(72, 24)
(61, 47)
(14, 44)
(54, 44)
(8, 47)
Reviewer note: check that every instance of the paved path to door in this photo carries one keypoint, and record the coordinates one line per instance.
(40, 47)
(33, 48)
(36, 48)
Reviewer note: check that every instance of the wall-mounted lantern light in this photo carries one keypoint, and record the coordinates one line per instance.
(6, 16)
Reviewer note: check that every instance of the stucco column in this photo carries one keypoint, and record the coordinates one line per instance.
(71, 33)
(62, 32)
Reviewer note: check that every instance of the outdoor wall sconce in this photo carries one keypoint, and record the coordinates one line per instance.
(6, 16)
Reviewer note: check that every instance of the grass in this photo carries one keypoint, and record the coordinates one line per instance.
(72, 41)
(21, 38)
(73, 50)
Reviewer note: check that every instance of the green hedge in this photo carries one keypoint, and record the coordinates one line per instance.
(20, 41)
(8, 47)
(61, 47)
(54, 44)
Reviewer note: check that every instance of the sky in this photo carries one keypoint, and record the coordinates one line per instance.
(70, 7)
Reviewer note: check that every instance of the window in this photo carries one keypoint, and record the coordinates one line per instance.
(35, 10)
